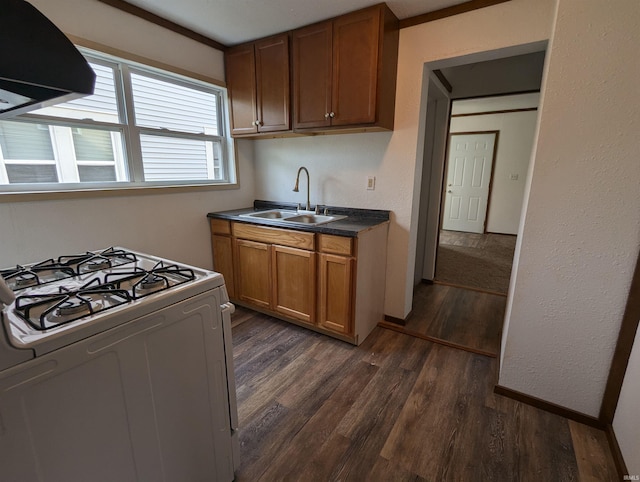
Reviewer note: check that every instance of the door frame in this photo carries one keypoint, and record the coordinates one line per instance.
(445, 172)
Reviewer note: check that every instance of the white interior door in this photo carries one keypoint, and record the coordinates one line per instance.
(468, 177)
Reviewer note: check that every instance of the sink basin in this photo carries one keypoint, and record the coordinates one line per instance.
(271, 214)
(313, 219)
(293, 217)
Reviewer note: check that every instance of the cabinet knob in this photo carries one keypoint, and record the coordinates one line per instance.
(332, 115)
(327, 115)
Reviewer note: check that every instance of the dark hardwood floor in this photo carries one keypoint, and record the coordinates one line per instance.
(396, 408)
(463, 317)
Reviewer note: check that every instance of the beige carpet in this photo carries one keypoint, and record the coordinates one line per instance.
(481, 261)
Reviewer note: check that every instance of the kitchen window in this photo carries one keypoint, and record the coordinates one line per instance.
(141, 127)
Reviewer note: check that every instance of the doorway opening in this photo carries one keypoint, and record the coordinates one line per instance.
(470, 146)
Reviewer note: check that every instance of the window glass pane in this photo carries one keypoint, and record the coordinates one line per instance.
(161, 104)
(97, 173)
(92, 145)
(28, 173)
(101, 106)
(171, 158)
(21, 140)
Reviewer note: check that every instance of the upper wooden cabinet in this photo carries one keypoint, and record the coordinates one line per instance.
(344, 71)
(258, 83)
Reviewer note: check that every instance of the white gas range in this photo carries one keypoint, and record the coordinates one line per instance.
(116, 365)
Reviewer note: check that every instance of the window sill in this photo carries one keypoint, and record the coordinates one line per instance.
(24, 196)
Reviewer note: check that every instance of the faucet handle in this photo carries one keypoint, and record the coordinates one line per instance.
(317, 209)
(299, 207)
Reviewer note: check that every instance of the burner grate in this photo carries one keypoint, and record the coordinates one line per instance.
(45, 311)
(64, 267)
(140, 283)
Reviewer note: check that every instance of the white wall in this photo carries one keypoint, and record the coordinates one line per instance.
(626, 422)
(173, 225)
(513, 151)
(98, 22)
(339, 165)
(579, 241)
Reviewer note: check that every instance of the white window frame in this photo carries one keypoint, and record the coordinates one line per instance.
(130, 147)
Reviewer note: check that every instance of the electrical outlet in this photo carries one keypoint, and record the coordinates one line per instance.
(371, 183)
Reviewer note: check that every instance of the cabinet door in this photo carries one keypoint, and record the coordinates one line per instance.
(294, 282)
(253, 271)
(241, 83)
(355, 67)
(336, 293)
(223, 260)
(312, 58)
(272, 84)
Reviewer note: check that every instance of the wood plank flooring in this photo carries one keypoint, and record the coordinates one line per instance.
(459, 316)
(396, 408)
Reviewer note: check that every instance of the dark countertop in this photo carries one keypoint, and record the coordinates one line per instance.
(357, 220)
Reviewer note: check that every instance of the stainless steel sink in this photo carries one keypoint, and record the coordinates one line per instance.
(293, 217)
(271, 214)
(313, 219)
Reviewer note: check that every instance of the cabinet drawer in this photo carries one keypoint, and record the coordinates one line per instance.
(283, 237)
(328, 243)
(220, 226)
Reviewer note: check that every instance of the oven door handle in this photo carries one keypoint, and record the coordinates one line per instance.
(227, 309)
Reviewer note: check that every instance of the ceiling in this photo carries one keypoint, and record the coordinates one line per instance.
(521, 73)
(230, 22)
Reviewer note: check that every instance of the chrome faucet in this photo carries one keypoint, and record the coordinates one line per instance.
(295, 188)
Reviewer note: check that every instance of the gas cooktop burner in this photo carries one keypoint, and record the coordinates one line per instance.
(89, 262)
(25, 280)
(74, 307)
(49, 310)
(47, 271)
(152, 282)
(96, 264)
(140, 282)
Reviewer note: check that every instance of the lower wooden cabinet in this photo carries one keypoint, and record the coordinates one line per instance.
(294, 282)
(253, 272)
(223, 260)
(333, 284)
(335, 304)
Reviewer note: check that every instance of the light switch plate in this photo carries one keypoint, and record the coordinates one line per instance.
(371, 183)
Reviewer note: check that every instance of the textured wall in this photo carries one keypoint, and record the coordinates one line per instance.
(581, 233)
(95, 21)
(626, 422)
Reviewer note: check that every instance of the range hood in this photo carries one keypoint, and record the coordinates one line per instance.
(39, 66)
